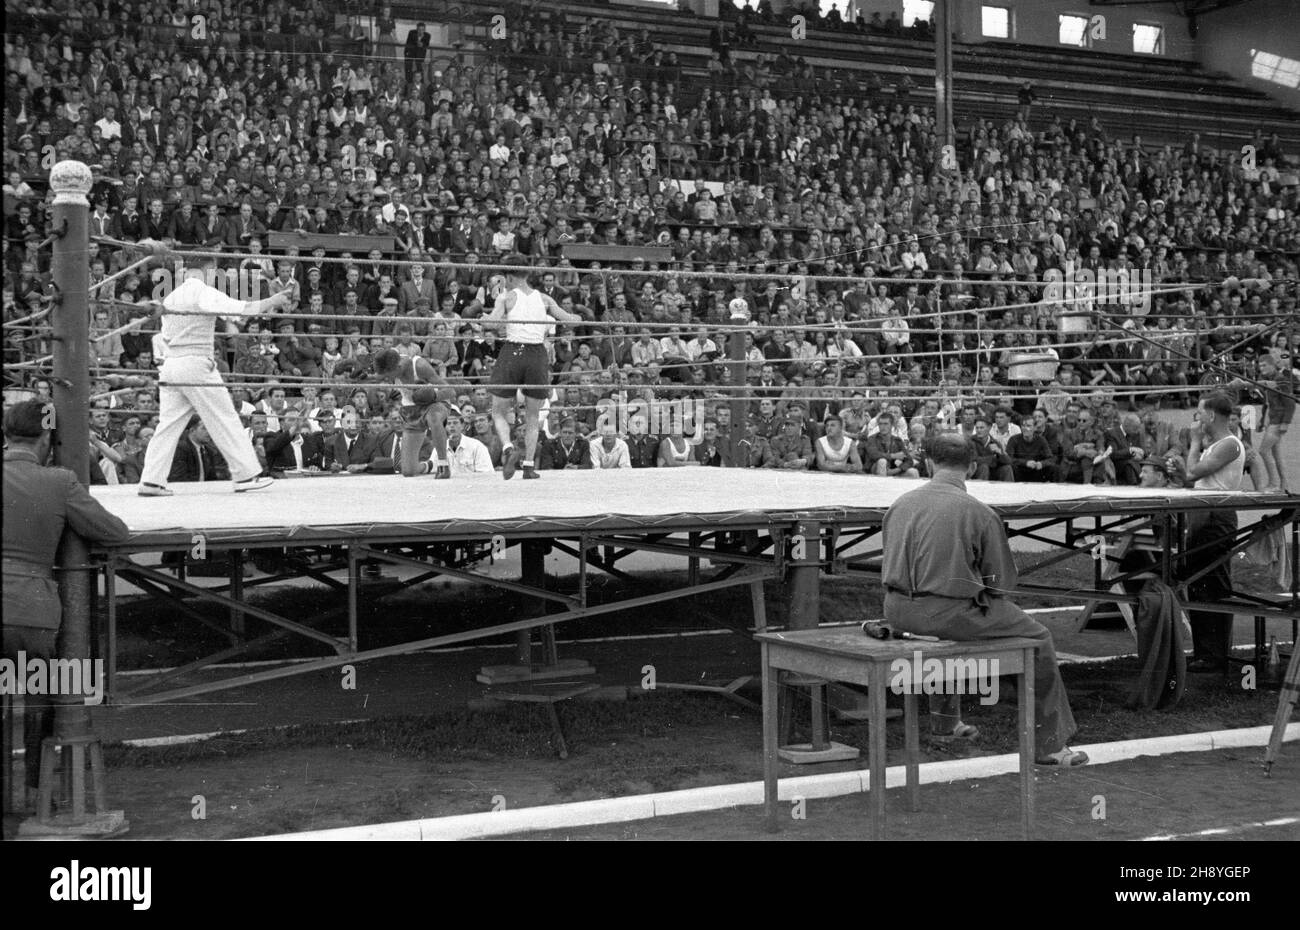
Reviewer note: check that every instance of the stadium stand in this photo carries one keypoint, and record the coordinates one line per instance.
(662, 165)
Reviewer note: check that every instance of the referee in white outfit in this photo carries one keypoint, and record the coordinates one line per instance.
(190, 382)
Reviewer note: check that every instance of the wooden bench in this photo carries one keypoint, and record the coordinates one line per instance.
(357, 245)
(618, 253)
(849, 655)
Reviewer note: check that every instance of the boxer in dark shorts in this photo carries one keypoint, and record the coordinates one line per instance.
(523, 364)
(424, 410)
(518, 363)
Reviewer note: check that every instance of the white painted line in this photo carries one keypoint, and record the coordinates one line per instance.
(1224, 831)
(642, 807)
(150, 742)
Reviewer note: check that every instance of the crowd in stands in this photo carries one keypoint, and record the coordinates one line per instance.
(895, 287)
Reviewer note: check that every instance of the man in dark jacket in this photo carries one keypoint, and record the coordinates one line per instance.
(1031, 457)
(39, 503)
(567, 450)
(197, 458)
(294, 447)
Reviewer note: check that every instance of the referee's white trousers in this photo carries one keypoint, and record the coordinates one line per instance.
(196, 387)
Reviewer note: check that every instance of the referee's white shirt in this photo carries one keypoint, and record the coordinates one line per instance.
(185, 335)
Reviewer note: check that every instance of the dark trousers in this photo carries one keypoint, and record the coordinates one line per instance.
(949, 618)
(38, 712)
(1211, 632)
(994, 473)
(1046, 473)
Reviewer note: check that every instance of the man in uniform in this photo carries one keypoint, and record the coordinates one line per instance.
(39, 502)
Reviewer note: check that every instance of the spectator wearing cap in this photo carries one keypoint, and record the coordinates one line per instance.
(299, 355)
(791, 448)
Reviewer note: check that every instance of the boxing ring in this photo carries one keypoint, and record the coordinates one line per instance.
(731, 527)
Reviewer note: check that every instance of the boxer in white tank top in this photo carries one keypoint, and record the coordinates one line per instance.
(835, 451)
(523, 363)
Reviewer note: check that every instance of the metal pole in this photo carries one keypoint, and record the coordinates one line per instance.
(532, 556)
(71, 182)
(805, 578)
(943, 72)
(736, 365)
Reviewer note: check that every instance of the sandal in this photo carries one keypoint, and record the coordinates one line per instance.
(1066, 758)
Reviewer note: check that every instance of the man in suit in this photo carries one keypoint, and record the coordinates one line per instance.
(39, 503)
(294, 447)
(417, 286)
(197, 457)
(154, 224)
(348, 449)
(244, 227)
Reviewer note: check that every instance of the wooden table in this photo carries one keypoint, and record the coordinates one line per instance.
(847, 654)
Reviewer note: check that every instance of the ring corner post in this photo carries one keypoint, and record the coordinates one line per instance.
(71, 182)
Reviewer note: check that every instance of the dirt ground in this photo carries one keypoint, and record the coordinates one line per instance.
(390, 768)
(1179, 794)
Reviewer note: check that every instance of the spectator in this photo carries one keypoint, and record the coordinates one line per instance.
(1031, 457)
(466, 454)
(611, 451)
(567, 450)
(791, 449)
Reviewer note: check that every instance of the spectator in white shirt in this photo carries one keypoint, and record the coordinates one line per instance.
(500, 152)
(1003, 429)
(702, 347)
(611, 451)
(645, 351)
(109, 127)
(465, 454)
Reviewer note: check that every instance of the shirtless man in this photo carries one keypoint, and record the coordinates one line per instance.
(423, 408)
(529, 317)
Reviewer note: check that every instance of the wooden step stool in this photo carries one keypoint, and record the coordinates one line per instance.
(548, 693)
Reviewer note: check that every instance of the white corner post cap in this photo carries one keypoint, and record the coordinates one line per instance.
(71, 182)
